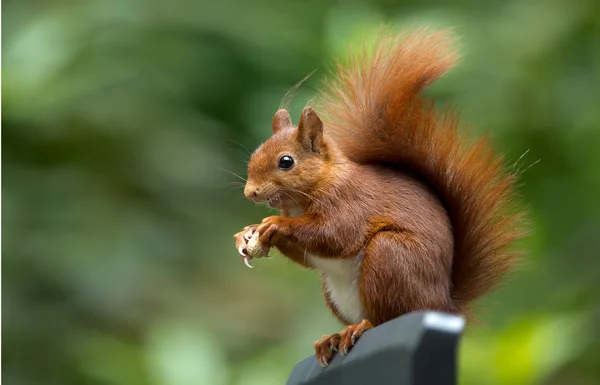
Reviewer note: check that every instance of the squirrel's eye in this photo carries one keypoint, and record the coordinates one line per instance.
(286, 162)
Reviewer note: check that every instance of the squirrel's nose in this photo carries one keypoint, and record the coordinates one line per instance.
(251, 192)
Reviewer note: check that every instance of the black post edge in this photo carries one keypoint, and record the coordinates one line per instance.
(415, 349)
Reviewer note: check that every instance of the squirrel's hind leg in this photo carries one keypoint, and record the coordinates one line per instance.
(397, 276)
(340, 342)
(400, 275)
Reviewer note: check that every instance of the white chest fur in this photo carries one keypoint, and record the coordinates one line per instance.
(341, 282)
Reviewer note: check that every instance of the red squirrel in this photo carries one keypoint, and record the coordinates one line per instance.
(384, 195)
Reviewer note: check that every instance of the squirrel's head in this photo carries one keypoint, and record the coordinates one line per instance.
(283, 170)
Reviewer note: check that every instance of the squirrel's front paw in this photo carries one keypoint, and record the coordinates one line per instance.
(269, 231)
(241, 242)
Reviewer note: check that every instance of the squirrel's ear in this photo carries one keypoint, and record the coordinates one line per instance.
(281, 120)
(310, 130)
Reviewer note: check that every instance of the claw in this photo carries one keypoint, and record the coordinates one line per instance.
(344, 351)
(323, 362)
(246, 257)
(248, 235)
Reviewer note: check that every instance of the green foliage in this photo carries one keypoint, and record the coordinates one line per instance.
(124, 121)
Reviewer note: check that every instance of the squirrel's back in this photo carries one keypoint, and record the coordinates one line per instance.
(376, 114)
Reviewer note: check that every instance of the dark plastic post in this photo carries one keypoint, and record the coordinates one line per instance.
(415, 349)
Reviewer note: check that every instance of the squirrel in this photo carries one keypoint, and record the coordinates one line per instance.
(385, 195)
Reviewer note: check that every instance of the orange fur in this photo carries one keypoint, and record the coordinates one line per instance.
(378, 115)
(387, 196)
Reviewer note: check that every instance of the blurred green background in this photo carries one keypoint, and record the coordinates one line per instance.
(122, 120)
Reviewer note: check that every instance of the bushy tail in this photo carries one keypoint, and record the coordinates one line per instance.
(375, 111)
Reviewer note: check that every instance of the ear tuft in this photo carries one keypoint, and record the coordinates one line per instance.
(281, 120)
(310, 130)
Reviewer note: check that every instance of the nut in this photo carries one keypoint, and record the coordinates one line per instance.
(254, 249)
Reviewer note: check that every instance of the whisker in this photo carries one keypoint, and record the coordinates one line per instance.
(239, 152)
(291, 197)
(289, 96)
(248, 152)
(234, 184)
(307, 195)
(521, 157)
(530, 166)
(232, 173)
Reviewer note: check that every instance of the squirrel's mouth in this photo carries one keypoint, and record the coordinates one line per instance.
(275, 201)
